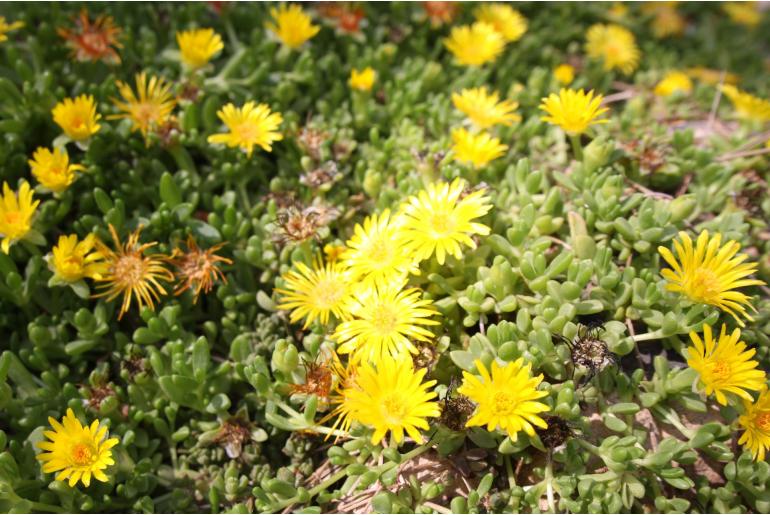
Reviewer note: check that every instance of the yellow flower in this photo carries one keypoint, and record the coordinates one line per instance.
(362, 80)
(476, 44)
(618, 11)
(72, 260)
(744, 13)
(564, 74)
(375, 254)
(249, 125)
(16, 212)
(478, 149)
(77, 117)
(756, 424)
(198, 46)
(724, 365)
(507, 399)
(437, 221)
(131, 273)
(52, 169)
(748, 106)
(614, 45)
(673, 82)
(484, 109)
(317, 293)
(507, 21)
(573, 111)
(333, 252)
(709, 273)
(390, 396)
(292, 25)
(150, 107)
(384, 321)
(6, 27)
(79, 452)
(666, 19)
(711, 76)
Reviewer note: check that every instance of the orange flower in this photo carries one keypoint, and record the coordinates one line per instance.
(93, 42)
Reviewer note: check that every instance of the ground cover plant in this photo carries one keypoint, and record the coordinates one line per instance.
(408, 257)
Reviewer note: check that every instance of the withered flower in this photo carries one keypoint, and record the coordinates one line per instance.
(197, 269)
(95, 41)
(318, 379)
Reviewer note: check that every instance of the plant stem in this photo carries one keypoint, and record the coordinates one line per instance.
(46, 508)
(577, 147)
(653, 335)
(549, 483)
(275, 508)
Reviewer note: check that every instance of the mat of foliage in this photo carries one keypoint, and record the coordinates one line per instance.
(223, 396)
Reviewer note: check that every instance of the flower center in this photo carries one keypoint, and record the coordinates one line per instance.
(393, 409)
(704, 286)
(328, 293)
(504, 403)
(129, 269)
(380, 253)
(145, 113)
(12, 218)
(441, 223)
(763, 422)
(81, 454)
(384, 319)
(246, 131)
(721, 370)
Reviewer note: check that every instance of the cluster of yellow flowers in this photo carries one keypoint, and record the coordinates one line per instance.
(496, 25)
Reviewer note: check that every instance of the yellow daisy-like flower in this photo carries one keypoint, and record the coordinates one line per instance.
(710, 272)
(333, 252)
(375, 254)
(249, 125)
(484, 109)
(756, 425)
(477, 149)
(437, 221)
(75, 451)
(724, 365)
(384, 320)
(317, 293)
(507, 399)
(743, 13)
(748, 106)
(506, 20)
(131, 273)
(77, 117)
(198, 46)
(673, 82)
(476, 44)
(564, 74)
(150, 107)
(666, 19)
(618, 11)
(72, 260)
(16, 212)
(292, 25)
(6, 27)
(52, 169)
(573, 111)
(390, 396)
(362, 80)
(711, 76)
(614, 45)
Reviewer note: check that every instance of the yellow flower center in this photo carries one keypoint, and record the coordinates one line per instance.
(328, 293)
(384, 319)
(763, 422)
(246, 131)
(129, 269)
(81, 454)
(721, 370)
(504, 403)
(380, 252)
(145, 113)
(393, 409)
(704, 286)
(13, 218)
(442, 223)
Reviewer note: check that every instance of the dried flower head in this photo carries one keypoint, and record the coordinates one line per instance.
(198, 269)
(319, 379)
(97, 41)
(557, 432)
(295, 225)
(590, 352)
(440, 13)
(322, 176)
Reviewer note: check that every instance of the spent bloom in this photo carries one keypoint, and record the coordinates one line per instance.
(389, 396)
(506, 20)
(724, 365)
(6, 27)
(673, 82)
(77, 117)
(748, 106)
(292, 25)
(564, 74)
(362, 80)
(384, 320)
(474, 45)
(16, 212)
(614, 45)
(72, 260)
(95, 41)
(250, 125)
(437, 221)
(198, 269)
(131, 273)
(150, 107)
(440, 13)
(198, 46)
(75, 451)
(485, 109)
(316, 293)
(710, 273)
(52, 169)
(478, 149)
(755, 422)
(573, 111)
(506, 398)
